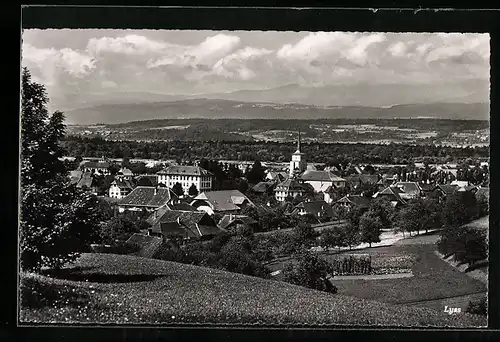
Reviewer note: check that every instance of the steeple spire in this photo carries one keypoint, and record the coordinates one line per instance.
(298, 142)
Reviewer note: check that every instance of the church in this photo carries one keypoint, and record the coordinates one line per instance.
(299, 174)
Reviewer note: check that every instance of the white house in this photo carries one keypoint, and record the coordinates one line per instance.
(120, 188)
(322, 180)
(186, 176)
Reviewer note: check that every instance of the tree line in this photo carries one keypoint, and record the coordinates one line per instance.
(266, 151)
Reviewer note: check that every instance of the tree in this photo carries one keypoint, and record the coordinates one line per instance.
(352, 235)
(257, 173)
(304, 234)
(177, 189)
(193, 191)
(250, 211)
(381, 207)
(459, 208)
(370, 227)
(113, 169)
(310, 271)
(58, 221)
(334, 237)
(119, 228)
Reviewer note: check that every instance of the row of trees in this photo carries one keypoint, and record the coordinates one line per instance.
(268, 151)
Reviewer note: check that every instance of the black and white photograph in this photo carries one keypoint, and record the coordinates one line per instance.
(254, 178)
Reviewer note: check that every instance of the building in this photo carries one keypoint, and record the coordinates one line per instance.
(100, 167)
(223, 201)
(298, 163)
(120, 188)
(317, 209)
(124, 174)
(393, 194)
(330, 194)
(291, 187)
(147, 180)
(264, 187)
(186, 176)
(147, 198)
(234, 222)
(441, 191)
(276, 176)
(321, 180)
(184, 224)
(349, 201)
(87, 182)
(409, 190)
(356, 181)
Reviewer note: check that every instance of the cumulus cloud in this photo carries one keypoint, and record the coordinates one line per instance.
(214, 62)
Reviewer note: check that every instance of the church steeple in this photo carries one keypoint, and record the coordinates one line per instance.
(298, 143)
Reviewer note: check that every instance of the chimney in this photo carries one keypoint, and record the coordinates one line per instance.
(156, 190)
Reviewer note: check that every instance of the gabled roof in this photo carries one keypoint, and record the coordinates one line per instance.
(97, 165)
(391, 191)
(148, 245)
(315, 207)
(125, 172)
(223, 200)
(320, 176)
(182, 206)
(85, 180)
(447, 189)
(263, 186)
(227, 220)
(365, 179)
(122, 184)
(153, 179)
(483, 191)
(281, 176)
(408, 187)
(185, 223)
(146, 196)
(290, 184)
(359, 200)
(75, 176)
(184, 170)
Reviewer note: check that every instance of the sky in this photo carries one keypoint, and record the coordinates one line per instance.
(200, 62)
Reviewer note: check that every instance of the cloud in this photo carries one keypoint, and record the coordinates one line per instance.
(203, 61)
(129, 45)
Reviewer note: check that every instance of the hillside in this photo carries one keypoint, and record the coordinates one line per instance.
(219, 109)
(107, 288)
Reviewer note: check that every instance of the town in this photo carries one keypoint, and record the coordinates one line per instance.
(251, 222)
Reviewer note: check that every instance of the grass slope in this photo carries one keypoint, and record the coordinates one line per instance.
(138, 290)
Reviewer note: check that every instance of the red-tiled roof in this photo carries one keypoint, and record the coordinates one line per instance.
(148, 197)
(187, 223)
(223, 200)
(322, 176)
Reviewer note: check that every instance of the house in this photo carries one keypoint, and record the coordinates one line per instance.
(264, 187)
(289, 188)
(231, 222)
(147, 180)
(221, 201)
(276, 176)
(124, 174)
(460, 184)
(120, 188)
(181, 206)
(330, 194)
(321, 180)
(441, 191)
(147, 198)
(316, 209)
(186, 224)
(349, 201)
(409, 190)
(87, 182)
(149, 246)
(75, 176)
(483, 191)
(100, 167)
(393, 194)
(356, 181)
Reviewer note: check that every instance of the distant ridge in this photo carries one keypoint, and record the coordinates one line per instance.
(229, 109)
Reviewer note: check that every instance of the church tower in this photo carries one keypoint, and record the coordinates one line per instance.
(298, 163)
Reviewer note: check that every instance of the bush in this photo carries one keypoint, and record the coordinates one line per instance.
(310, 271)
(117, 248)
(478, 307)
(352, 264)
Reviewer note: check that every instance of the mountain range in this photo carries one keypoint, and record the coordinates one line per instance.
(464, 100)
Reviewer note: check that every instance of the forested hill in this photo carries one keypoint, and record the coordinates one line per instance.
(219, 109)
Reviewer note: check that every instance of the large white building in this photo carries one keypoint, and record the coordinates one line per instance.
(186, 176)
